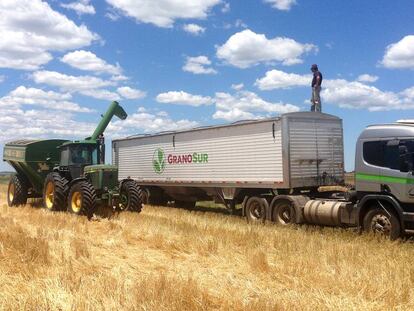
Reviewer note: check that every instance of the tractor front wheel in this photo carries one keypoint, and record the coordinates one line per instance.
(55, 191)
(82, 199)
(17, 191)
(131, 196)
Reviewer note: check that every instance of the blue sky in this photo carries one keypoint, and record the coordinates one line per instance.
(176, 63)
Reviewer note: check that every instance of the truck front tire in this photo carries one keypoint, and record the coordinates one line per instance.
(55, 191)
(17, 191)
(383, 222)
(82, 199)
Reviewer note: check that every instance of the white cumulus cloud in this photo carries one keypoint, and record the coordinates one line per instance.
(194, 29)
(69, 83)
(283, 5)
(183, 98)
(38, 97)
(247, 105)
(247, 48)
(31, 29)
(400, 54)
(367, 78)
(163, 13)
(198, 65)
(277, 79)
(130, 93)
(88, 61)
(80, 7)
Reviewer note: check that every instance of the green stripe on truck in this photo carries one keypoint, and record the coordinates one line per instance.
(387, 179)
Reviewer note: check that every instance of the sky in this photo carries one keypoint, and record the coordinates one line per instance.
(175, 64)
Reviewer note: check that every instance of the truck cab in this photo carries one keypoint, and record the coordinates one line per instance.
(384, 178)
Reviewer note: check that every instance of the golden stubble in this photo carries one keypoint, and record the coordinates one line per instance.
(174, 259)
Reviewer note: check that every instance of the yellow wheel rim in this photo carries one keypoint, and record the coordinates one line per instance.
(76, 202)
(12, 189)
(50, 194)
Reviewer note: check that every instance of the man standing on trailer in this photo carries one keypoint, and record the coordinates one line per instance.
(316, 89)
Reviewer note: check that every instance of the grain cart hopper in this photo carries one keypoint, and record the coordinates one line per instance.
(70, 175)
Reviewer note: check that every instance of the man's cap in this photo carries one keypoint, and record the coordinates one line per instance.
(314, 66)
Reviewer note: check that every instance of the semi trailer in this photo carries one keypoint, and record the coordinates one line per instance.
(70, 175)
(276, 168)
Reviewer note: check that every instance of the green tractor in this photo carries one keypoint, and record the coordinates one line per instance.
(70, 175)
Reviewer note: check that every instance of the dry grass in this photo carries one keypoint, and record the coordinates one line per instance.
(173, 259)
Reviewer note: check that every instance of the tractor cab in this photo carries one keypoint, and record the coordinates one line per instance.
(75, 156)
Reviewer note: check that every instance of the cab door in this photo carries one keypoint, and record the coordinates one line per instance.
(396, 172)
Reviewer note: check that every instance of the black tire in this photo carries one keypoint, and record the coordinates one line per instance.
(82, 199)
(144, 196)
(283, 212)
(131, 196)
(185, 204)
(55, 192)
(383, 222)
(17, 191)
(256, 209)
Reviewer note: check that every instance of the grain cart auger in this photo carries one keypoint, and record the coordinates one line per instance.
(70, 175)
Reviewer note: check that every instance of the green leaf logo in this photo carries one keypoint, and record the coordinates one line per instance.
(158, 161)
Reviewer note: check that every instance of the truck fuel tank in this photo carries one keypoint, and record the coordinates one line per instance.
(329, 212)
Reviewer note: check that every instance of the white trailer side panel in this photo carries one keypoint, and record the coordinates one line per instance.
(240, 154)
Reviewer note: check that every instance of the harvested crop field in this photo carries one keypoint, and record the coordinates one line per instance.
(175, 259)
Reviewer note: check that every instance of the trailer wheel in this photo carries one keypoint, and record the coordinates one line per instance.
(383, 222)
(283, 212)
(255, 209)
(17, 191)
(131, 196)
(55, 191)
(82, 199)
(144, 196)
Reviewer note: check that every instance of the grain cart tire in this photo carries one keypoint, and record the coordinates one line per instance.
(283, 212)
(256, 209)
(82, 199)
(382, 221)
(55, 191)
(17, 191)
(131, 196)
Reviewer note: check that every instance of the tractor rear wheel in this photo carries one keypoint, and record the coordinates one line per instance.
(17, 191)
(55, 191)
(131, 196)
(82, 199)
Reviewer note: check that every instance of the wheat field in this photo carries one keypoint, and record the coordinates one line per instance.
(174, 259)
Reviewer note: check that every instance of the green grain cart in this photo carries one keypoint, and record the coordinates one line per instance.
(70, 175)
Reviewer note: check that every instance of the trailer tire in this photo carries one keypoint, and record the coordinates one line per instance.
(383, 222)
(17, 191)
(144, 196)
(256, 209)
(55, 191)
(131, 196)
(82, 199)
(283, 212)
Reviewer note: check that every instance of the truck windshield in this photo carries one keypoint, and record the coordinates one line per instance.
(83, 155)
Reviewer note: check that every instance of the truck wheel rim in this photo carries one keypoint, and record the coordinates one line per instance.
(12, 189)
(256, 210)
(76, 202)
(381, 224)
(50, 195)
(285, 214)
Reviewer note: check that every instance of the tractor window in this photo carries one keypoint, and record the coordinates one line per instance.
(83, 155)
(64, 157)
